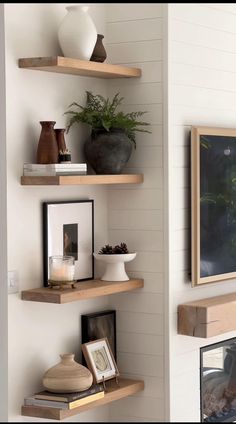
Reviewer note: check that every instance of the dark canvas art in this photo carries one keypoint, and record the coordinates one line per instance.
(213, 204)
(100, 325)
(70, 240)
(217, 205)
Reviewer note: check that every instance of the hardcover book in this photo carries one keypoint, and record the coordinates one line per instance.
(31, 401)
(53, 173)
(54, 166)
(69, 397)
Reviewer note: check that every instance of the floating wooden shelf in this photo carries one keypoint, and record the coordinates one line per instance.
(83, 179)
(208, 317)
(66, 65)
(83, 290)
(126, 388)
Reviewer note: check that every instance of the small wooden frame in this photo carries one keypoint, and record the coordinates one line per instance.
(100, 360)
(213, 204)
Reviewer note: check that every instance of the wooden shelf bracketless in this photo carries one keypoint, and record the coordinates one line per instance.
(83, 179)
(83, 290)
(126, 387)
(208, 317)
(66, 65)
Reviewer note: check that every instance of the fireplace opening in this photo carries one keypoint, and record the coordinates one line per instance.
(218, 382)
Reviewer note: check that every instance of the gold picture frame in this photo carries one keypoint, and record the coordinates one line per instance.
(213, 201)
(100, 360)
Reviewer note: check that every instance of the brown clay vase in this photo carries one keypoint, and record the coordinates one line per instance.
(60, 139)
(68, 376)
(64, 155)
(99, 53)
(47, 151)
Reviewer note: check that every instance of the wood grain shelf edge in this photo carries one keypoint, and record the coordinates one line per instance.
(66, 65)
(126, 388)
(82, 179)
(84, 290)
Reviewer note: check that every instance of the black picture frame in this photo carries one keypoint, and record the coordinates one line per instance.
(74, 218)
(100, 325)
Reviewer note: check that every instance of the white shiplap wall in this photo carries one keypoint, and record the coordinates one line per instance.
(202, 91)
(134, 37)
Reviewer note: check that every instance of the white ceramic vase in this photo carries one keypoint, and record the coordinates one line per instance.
(77, 33)
(115, 265)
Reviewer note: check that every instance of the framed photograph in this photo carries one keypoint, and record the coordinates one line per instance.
(100, 360)
(99, 325)
(68, 229)
(213, 204)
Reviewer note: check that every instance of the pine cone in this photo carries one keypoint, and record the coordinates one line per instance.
(106, 250)
(120, 249)
(124, 248)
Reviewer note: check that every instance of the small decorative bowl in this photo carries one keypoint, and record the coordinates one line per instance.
(115, 265)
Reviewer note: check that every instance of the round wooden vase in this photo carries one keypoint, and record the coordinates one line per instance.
(68, 376)
(47, 151)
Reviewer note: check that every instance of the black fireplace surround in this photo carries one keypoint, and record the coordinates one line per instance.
(218, 382)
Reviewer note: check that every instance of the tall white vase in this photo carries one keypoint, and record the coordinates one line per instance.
(77, 33)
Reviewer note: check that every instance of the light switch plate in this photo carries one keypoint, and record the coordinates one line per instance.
(13, 282)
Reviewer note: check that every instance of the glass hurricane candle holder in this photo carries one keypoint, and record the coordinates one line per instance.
(61, 271)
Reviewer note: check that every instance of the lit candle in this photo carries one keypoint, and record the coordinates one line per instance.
(61, 268)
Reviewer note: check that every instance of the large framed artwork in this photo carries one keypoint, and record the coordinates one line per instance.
(68, 230)
(213, 204)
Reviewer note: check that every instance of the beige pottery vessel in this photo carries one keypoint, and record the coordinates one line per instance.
(68, 376)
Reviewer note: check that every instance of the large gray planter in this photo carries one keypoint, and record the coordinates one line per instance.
(108, 152)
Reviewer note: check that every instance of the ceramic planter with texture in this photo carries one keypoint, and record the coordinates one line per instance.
(108, 152)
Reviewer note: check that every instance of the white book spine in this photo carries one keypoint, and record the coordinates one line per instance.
(51, 173)
(36, 167)
(31, 401)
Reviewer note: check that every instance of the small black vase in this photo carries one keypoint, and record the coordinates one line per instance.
(108, 152)
(99, 53)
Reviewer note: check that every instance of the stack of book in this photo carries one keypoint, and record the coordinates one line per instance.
(65, 400)
(53, 169)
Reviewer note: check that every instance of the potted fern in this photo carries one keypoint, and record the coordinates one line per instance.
(112, 137)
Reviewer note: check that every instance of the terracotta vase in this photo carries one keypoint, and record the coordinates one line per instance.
(99, 53)
(68, 376)
(47, 151)
(60, 139)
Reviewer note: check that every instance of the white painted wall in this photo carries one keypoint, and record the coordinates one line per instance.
(3, 232)
(202, 75)
(39, 332)
(198, 47)
(134, 37)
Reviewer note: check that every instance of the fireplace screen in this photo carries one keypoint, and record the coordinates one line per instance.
(218, 382)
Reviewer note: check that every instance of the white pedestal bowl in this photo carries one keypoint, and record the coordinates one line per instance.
(115, 265)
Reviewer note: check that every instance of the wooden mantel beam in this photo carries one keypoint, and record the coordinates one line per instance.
(208, 317)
